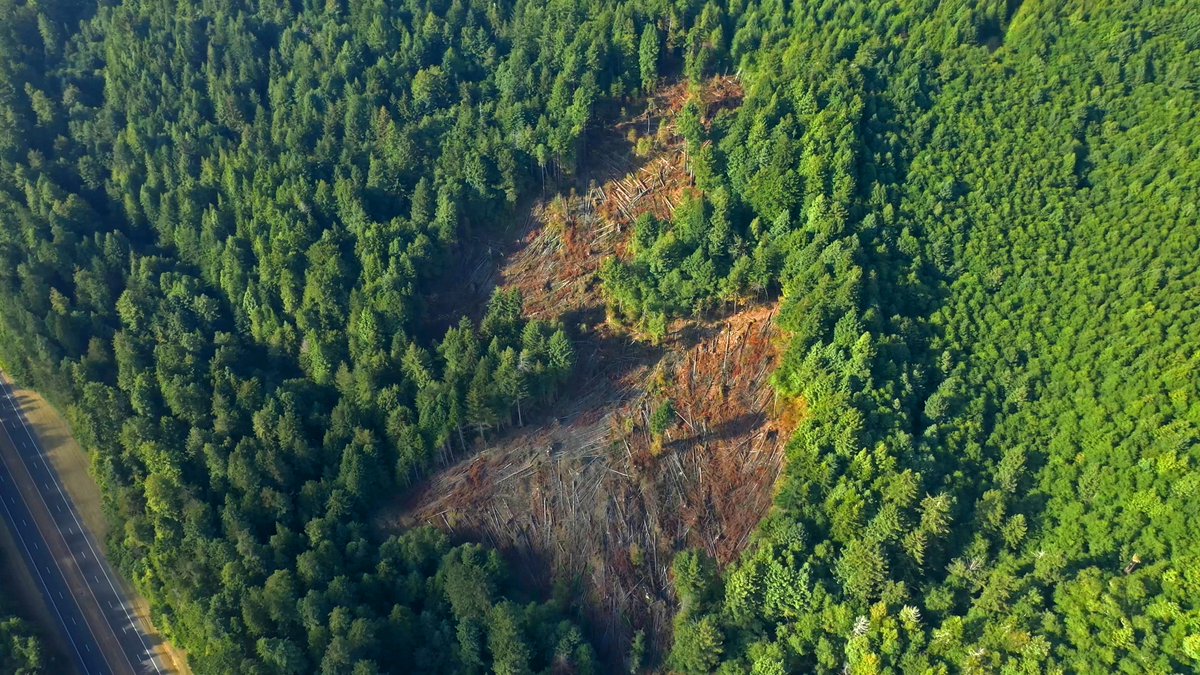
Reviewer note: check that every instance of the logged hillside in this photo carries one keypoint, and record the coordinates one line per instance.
(657, 445)
(600, 284)
(991, 286)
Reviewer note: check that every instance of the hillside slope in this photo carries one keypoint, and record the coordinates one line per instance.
(1000, 464)
(915, 279)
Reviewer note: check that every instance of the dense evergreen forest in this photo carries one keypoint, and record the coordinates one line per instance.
(221, 225)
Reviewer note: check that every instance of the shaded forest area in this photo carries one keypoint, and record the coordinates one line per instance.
(22, 650)
(247, 247)
(222, 230)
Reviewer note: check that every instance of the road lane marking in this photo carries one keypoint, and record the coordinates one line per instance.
(33, 565)
(45, 589)
(87, 540)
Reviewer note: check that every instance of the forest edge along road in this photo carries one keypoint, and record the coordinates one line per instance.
(76, 580)
(75, 577)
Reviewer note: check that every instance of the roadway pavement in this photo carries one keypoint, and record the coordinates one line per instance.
(93, 612)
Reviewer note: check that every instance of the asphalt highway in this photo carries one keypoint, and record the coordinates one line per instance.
(93, 612)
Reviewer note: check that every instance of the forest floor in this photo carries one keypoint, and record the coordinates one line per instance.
(584, 494)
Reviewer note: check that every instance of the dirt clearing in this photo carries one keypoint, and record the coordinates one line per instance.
(605, 487)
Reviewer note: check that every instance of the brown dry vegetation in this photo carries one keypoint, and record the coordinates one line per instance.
(558, 241)
(588, 491)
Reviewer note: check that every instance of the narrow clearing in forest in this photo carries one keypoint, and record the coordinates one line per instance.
(587, 490)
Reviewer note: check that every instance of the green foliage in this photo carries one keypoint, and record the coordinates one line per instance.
(648, 55)
(662, 418)
(219, 226)
(21, 651)
(981, 238)
(696, 581)
(637, 652)
(697, 647)
(690, 125)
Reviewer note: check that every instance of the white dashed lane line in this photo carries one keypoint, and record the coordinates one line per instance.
(25, 443)
(21, 425)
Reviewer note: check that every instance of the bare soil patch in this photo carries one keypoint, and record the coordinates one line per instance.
(587, 494)
(556, 241)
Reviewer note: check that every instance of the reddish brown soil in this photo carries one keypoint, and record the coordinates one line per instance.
(586, 494)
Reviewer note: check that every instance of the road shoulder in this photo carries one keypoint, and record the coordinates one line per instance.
(73, 466)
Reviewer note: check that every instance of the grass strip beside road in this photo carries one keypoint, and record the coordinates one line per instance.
(73, 466)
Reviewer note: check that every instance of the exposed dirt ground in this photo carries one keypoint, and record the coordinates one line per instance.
(586, 491)
(557, 241)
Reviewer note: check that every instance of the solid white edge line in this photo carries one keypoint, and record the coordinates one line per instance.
(86, 537)
(45, 589)
(54, 558)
